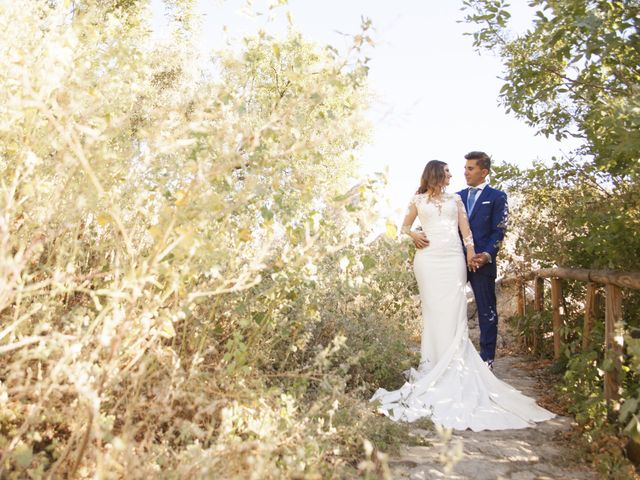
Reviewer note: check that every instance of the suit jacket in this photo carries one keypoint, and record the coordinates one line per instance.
(488, 221)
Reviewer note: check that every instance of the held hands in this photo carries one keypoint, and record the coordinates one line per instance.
(481, 259)
(476, 260)
(420, 240)
(471, 263)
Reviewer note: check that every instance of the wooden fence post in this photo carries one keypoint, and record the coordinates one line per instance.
(589, 314)
(520, 290)
(599, 307)
(524, 341)
(556, 298)
(538, 305)
(538, 299)
(613, 340)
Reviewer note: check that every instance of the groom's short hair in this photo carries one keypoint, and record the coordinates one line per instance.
(482, 159)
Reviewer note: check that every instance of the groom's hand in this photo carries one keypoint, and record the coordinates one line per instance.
(420, 240)
(480, 259)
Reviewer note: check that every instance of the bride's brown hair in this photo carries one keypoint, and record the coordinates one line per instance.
(433, 177)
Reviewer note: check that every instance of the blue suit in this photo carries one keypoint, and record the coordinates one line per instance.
(488, 222)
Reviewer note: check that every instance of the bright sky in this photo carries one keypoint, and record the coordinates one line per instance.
(437, 97)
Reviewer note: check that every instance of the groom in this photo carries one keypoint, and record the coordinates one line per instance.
(487, 211)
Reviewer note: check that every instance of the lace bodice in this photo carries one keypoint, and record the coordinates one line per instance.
(441, 218)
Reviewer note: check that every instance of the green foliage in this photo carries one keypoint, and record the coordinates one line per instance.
(580, 387)
(580, 390)
(532, 329)
(171, 239)
(380, 316)
(574, 73)
(583, 383)
(571, 214)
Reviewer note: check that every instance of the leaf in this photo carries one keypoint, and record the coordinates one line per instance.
(343, 263)
(266, 213)
(607, 365)
(340, 198)
(166, 329)
(391, 231)
(181, 198)
(155, 232)
(23, 454)
(628, 407)
(368, 262)
(244, 235)
(633, 429)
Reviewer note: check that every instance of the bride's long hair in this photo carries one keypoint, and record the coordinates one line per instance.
(433, 178)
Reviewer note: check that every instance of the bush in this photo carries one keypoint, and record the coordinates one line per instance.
(169, 228)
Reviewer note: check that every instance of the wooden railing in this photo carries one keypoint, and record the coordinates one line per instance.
(613, 283)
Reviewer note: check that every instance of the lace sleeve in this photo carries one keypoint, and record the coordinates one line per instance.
(410, 216)
(463, 224)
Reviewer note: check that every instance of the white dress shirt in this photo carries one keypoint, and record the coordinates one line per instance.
(481, 186)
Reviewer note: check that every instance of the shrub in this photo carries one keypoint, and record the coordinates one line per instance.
(169, 305)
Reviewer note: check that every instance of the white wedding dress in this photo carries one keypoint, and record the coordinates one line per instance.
(452, 385)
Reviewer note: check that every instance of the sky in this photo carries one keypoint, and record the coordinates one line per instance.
(436, 97)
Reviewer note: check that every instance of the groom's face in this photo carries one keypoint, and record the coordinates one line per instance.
(473, 174)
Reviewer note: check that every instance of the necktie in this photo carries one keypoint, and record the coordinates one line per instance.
(471, 200)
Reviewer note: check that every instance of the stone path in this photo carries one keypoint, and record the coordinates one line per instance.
(529, 454)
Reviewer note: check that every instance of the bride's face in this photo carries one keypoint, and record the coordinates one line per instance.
(447, 176)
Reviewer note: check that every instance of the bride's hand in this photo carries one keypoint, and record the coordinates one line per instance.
(471, 263)
(420, 240)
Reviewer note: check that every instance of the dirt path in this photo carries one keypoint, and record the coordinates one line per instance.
(529, 454)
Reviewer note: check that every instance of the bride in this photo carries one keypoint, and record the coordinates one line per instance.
(452, 385)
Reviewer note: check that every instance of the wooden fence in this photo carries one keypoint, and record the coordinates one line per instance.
(613, 283)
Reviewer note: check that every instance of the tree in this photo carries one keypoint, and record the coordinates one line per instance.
(573, 73)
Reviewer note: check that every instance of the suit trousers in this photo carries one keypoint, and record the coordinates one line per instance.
(484, 291)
